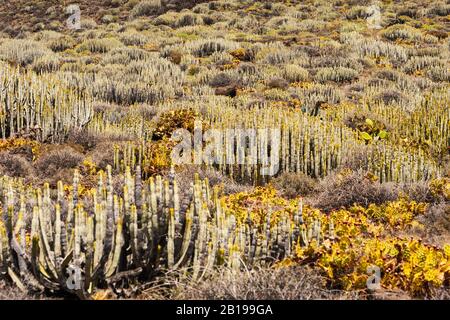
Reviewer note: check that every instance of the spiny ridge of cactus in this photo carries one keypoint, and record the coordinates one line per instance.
(40, 108)
(74, 240)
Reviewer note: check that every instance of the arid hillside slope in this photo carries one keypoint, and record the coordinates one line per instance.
(19, 16)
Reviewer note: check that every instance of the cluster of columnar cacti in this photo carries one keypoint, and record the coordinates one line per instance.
(22, 51)
(375, 48)
(53, 242)
(99, 45)
(206, 47)
(126, 123)
(31, 105)
(130, 76)
(310, 145)
(413, 127)
(76, 240)
(336, 74)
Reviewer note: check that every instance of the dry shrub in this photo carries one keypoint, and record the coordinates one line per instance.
(287, 283)
(229, 91)
(433, 228)
(83, 138)
(103, 154)
(9, 292)
(145, 8)
(418, 191)
(56, 164)
(437, 223)
(221, 79)
(446, 168)
(358, 159)
(185, 177)
(277, 83)
(12, 293)
(292, 185)
(243, 54)
(14, 165)
(346, 188)
(175, 56)
(391, 96)
(442, 293)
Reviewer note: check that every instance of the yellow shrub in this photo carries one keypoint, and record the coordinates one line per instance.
(172, 120)
(440, 188)
(404, 264)
(361, 238)
(258, 203)
(82, 190)
(397, 214)
(89, 166)
(17, 143)
(158, 157)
